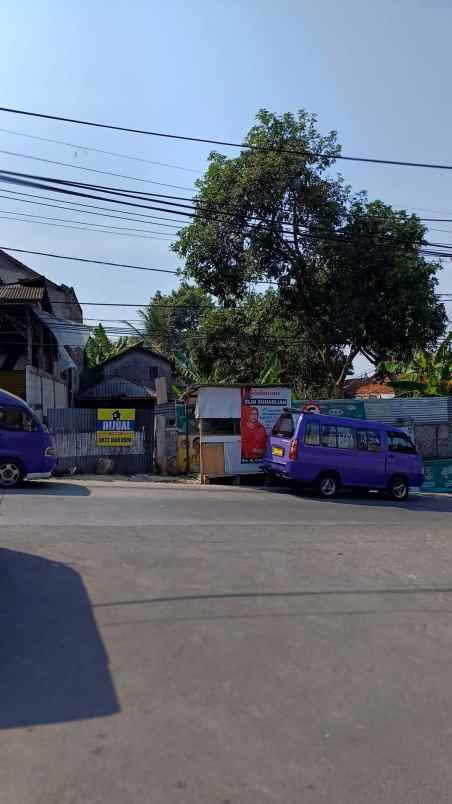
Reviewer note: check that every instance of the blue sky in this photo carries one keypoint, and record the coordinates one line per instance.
(379, 73)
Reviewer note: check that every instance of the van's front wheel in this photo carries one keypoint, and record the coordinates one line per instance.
(398, 488)
(328, 485)
(10, 473)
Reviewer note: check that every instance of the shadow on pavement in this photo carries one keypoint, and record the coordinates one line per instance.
(50, 488)
(53, 665)
(440, 503)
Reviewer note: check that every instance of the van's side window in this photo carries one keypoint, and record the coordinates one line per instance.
(368, 440)
(399, 442)
(312, 434)
(345, 438)
(328, 435)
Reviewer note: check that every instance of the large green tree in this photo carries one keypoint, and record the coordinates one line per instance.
(249, 342)
(350, 273)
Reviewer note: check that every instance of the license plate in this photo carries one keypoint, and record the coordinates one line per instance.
(278, 451)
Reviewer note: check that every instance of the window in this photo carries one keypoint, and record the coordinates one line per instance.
(312, 434)
(220, 427)
(345, 439)
(16, 419)
(399, 442)
(368, 440)
(286, 424)
(153, 372)
(328, 435)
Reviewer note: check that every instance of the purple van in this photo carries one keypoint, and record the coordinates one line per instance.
(26, 447)
(330, 452)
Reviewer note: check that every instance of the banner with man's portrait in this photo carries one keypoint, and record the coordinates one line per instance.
(260, 409)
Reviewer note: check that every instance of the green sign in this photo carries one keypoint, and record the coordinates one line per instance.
(347, 408)
(438, 475)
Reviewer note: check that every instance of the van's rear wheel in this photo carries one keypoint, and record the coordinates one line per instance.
(398, 488)
(327, 485)
(10, 473)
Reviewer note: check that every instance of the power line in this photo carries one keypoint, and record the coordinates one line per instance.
(84, 223)
(93, 170)
(26, 183)
(160, 198)
(165, 239)
(226, 143)
(100, 151)
(138, 194)
(73, 206)
(88, 260)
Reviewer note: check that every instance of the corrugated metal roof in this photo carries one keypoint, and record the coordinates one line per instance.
(424, 409)
(19, 293)
(117, 387)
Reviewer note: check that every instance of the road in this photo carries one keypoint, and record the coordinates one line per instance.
(223, 646)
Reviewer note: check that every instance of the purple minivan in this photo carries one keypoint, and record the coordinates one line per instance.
(330, 452)
(26, 446)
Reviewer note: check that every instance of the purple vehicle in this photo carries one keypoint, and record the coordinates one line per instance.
(330, 452)
(26, 447)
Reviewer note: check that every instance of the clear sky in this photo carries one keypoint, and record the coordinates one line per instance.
(378, 73)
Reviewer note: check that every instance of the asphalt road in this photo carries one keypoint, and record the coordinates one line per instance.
(223, 646)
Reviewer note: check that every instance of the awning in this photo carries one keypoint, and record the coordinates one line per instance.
(67, 333)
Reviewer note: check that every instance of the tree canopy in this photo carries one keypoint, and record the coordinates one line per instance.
(348, 273)
(99, 347)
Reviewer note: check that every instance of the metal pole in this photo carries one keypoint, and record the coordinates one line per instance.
(187, 443)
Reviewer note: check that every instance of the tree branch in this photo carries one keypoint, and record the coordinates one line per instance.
(348, 363)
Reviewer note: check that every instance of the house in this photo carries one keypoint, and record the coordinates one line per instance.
(368, 388)
(130, 377)
(42, 337)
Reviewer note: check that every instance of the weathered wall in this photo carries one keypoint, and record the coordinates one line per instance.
(44, 391)
(136, 367)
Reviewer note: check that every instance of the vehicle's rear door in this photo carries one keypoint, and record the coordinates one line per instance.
(282, 433)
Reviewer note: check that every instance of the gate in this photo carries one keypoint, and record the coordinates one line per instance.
(74, 431)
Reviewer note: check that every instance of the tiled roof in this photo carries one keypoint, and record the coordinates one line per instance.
(21, 293)
(367, 387)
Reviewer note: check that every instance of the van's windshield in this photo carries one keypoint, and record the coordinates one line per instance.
(286, 424)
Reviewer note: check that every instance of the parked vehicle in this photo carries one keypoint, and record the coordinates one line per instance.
(330, 452)
(26, 447)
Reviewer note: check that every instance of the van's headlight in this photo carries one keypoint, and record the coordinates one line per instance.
(50, 452)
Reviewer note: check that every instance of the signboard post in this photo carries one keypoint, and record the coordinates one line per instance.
(115, 427)
(260, 409)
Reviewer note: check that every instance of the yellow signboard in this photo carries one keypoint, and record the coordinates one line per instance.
(116, 414)
(115, 427)
(110, 439)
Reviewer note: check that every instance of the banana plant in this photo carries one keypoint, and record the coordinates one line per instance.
(428, 374)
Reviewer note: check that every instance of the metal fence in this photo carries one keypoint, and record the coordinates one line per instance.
(74, 430)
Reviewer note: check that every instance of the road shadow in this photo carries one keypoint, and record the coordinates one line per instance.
(438, 503)
(42, 487)
(53, 664)
(420, 501)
